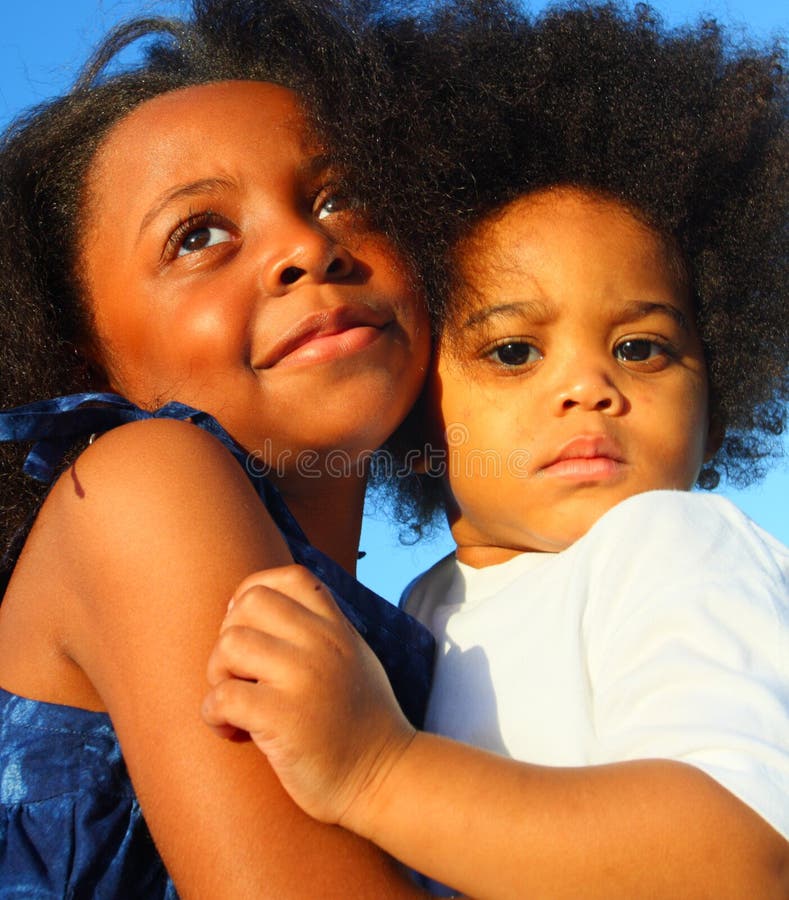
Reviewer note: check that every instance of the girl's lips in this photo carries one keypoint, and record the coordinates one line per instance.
(323, 347)
(325, 335)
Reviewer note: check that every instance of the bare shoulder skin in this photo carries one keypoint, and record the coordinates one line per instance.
(121, 590)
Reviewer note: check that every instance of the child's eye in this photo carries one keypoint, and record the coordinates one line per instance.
(640, 350)
(515, 353)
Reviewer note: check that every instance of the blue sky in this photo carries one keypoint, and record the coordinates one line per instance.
(42, 45)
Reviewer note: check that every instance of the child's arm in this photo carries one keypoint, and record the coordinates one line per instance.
(139, 546)
(490, 826)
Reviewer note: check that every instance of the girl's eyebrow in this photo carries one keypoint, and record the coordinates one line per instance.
(190, 189)
(309, 168)
(315, 165)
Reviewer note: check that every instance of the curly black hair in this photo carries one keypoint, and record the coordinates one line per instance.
(686, 127)
(441, 112)
(322, 49)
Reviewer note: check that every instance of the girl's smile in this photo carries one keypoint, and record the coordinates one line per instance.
(328, 335)
(226, 269)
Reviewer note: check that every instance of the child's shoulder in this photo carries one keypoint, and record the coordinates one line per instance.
(680, 570)
(418, 596)
(684, 503)
(686, 513)
(674, 532)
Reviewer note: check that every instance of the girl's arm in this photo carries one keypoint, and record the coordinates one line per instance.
(490, 826)
(142, 543)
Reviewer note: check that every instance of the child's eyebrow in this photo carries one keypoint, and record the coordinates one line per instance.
(191, 189)
(631, 312)
(530, 308)
(640, 309)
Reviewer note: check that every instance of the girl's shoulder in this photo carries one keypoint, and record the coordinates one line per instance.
(150, 487)
(146, 479)
(153, 515)
(158, 455)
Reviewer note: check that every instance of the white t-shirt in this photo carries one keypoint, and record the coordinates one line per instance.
(663, 632)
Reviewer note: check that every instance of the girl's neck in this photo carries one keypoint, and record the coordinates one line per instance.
(329, 511)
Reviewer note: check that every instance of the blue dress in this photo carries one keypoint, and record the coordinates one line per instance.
(70, 823)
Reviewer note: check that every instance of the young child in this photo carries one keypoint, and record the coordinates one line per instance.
(614, 307)
(178, 248)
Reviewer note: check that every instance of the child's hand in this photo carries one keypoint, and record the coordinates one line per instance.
(291, 670)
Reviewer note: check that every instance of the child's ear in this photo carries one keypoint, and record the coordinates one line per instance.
(716, 431)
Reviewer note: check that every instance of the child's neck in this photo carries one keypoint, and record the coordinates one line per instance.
(479, 556)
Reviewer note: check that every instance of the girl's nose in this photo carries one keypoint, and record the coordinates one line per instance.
(591, 389)
(308, 256)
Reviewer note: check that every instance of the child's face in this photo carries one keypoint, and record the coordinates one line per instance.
(223, 270)
(570, 377)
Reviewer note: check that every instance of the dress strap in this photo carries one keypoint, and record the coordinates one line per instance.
(57, 423)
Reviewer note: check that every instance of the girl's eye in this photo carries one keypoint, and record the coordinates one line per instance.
(328, 206)
(330, 202)
(201, 237)
(515, 353)
(639, 350)
(198, 231)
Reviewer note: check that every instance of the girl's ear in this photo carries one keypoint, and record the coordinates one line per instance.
(90, 369)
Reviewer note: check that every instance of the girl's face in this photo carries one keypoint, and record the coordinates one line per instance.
(570, 378)
(224, 270)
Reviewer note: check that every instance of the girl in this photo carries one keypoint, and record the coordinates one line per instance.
(615, 303)
(179, 249)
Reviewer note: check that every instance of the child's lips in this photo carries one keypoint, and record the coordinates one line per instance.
(597, 467)
(586, 457)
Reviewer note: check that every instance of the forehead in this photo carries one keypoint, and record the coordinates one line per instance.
(560, 252)
(177, 133)
(556, 222)
(541, 243)
(184, 110)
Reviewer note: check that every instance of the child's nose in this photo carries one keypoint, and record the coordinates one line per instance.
(592, 389)
(306, 255)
